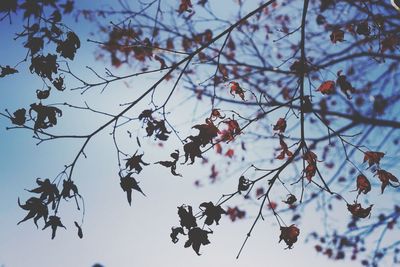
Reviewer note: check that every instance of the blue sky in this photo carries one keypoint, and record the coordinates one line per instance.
(115, 234)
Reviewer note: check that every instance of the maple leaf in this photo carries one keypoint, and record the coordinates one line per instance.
(386, 178)
(171, 164)
(127, 184)
(358, 211)
(174, 233)
(337, 36)
(197, 237)
(310, 171)
(363, 185)
(7, 70)
(134, 163)
(327, 88)
(373, 157)
(69, 189)
(212, 212)
(186, 217)
(46, 116)
(47, 190)
(192, 149)
(19, 117)
(37, 209)
(54, 222)
(289, 235)
(363, 28)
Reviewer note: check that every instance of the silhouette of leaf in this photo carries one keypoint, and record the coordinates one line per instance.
(197, 237)
(54, 222)
(42, 94)
(37, 209)
(236, 89)
(80, 233)
(185, 6)
(68, 47)
(19, 117)
(59, 83)
(48, 191)
(44, 66)
(235, 213)
(46, 116)
(7, 70)
(291, 199)
(32, 8)
(34, 44)
(69, 189)
(127, 184)
(134, 163)
(175, 232)
(337, 36)
(212, 212)
(171, 164)
(186, 216)
(289, 235)
(68, 6)
(244, 184)
(192, 149)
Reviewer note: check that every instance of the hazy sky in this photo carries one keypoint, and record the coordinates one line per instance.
(115, 234)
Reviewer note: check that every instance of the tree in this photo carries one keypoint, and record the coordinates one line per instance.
(301, 99)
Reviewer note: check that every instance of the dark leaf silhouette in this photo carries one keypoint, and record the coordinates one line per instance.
(235, 213)
(44, 66)
(171, 164)
(192, 149)
(34, 44)
(236, 89)
(46, 116)
(127, 184)
(32, 8)
(48, 191)
(68, 47)
(7, 70)
(42, 94)
(291, 199)
(69, 189)
(53, 222)
(280, 125)
(175, 232)
(134, 163)
(186, 217)
(37, 209)
(19, 117)
(213, 213)
(80, 233)
(197, 237)
(59, 83)
(289, 235)
(244, 184)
